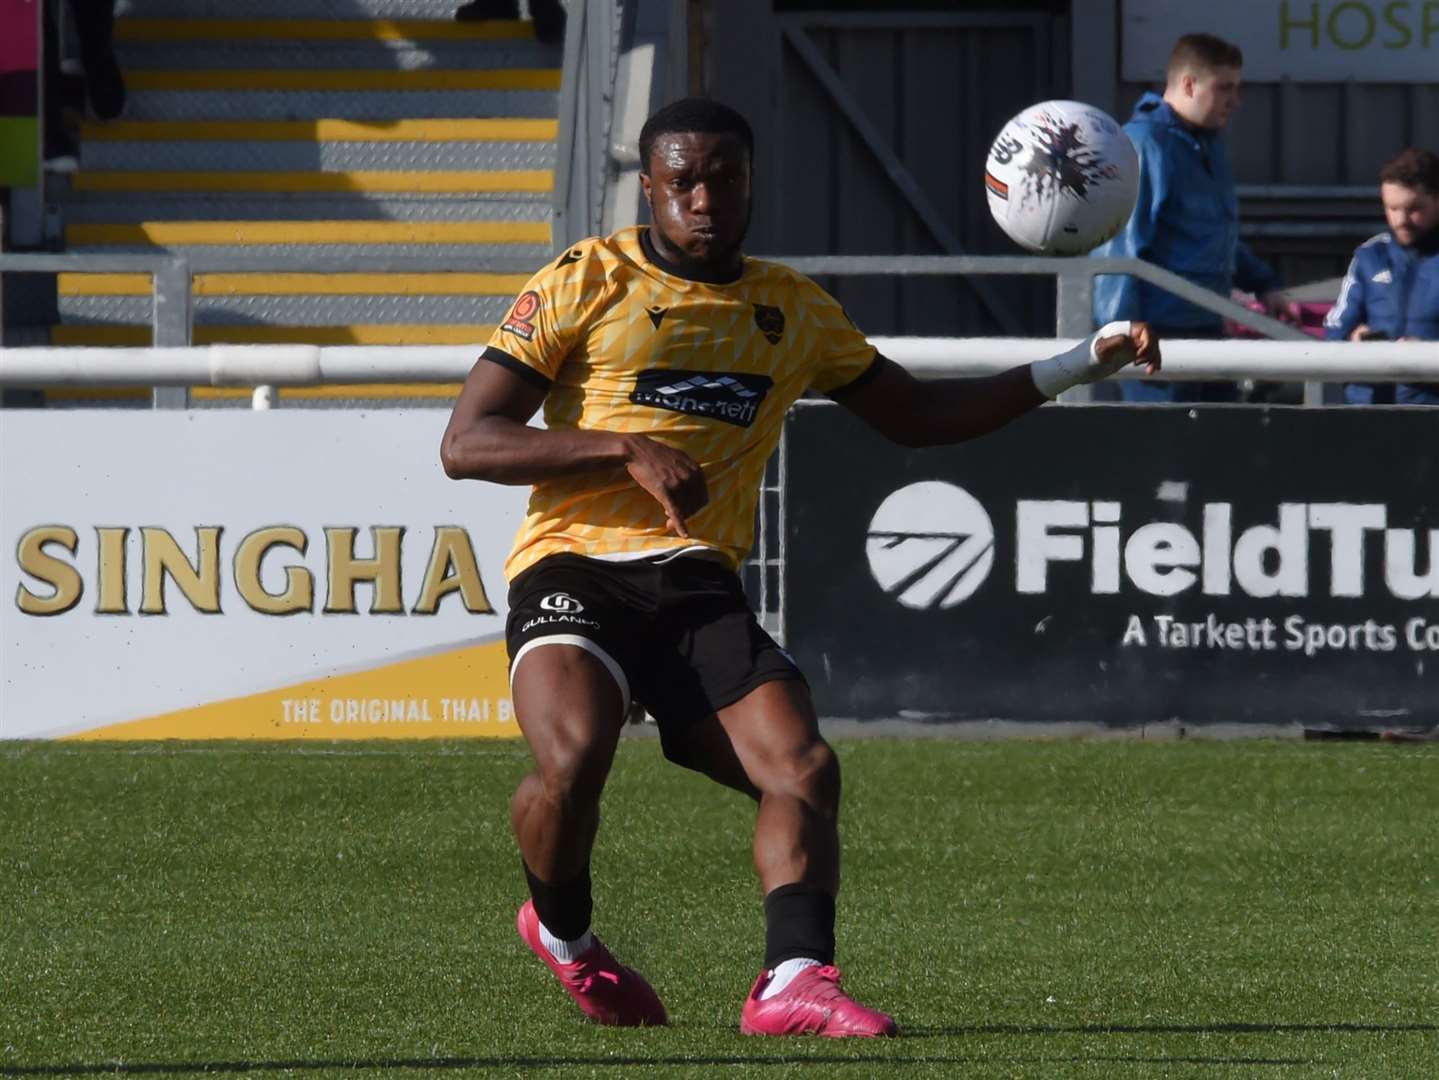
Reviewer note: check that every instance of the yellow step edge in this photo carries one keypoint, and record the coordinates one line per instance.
(352, 80)
(453, 284)
(231, 29)
(244, 334)
(501, 130)
(167, 233)
(239, 393)
(459, 182)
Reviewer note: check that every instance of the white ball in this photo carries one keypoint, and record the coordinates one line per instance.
(1061, 178)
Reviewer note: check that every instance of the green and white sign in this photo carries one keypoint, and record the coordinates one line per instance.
(1376, 41)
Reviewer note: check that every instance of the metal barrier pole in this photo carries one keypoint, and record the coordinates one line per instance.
(172, 324)
(1074, 316)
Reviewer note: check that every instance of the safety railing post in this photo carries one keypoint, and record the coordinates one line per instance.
(172, 324)
(1073, 316)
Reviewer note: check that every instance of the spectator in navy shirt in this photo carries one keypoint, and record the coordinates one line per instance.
(1391, 292)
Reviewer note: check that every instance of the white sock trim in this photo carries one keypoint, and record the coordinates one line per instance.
(566, 952)
(611, 665)
(783, 975)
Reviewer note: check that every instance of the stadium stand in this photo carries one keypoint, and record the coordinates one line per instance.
(313, 129)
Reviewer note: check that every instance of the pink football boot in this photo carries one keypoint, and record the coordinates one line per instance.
(812, 1004)
(607, 991)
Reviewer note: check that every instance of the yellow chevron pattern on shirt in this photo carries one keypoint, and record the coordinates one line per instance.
(707, 369)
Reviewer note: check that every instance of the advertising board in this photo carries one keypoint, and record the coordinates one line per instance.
(1332, 41)
(1120, 565)
(219, 574)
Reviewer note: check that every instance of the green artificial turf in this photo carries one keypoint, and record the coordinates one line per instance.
(1024, 908)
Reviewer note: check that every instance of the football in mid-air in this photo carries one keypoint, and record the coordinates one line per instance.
(1061, 178)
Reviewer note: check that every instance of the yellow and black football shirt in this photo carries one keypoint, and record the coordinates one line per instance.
(623, 345)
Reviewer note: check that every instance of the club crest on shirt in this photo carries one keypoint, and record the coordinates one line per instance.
(521, 319)
(770, 321)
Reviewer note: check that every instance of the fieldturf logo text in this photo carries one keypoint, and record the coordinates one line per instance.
(931, 545)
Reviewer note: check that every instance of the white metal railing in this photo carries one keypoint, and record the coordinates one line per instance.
(174, 367)
(311, 365)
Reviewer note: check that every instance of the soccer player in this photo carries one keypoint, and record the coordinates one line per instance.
(665, 360)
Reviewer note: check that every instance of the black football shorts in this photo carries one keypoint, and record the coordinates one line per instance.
(677, 635)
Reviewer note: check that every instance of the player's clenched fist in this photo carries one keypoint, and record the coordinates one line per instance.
(670, 475)
(1119, 344)
(1113, 346)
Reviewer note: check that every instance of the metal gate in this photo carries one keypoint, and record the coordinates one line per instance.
(872, 129)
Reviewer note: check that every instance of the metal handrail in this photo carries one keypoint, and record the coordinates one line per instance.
(173, 275)
(1075, 277)
(317, 365)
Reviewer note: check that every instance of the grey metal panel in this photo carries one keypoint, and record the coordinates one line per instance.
(933, 89)
(163, 206)
(939, 72)
(296, 310)
(1256, 137)
(805, 216)
(331, 156)
(1378, 126)
(585, 109)
(344, 105)
(868, 66)
(334, 55)
(1308, 147)
(1094, 53)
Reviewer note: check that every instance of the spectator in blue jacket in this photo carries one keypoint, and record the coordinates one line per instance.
(1391, 292)
(1186, 218)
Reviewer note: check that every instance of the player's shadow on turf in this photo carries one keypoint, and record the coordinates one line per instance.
(867, 1062)
(1161, 1029)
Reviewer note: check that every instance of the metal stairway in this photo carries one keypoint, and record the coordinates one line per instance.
(317, 129)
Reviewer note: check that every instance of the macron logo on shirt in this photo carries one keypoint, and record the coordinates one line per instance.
(733, 397)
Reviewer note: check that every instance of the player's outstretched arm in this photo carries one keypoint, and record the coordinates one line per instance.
(489, 438)
(935, 412)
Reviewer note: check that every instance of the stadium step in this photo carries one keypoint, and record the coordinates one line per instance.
(402, 44)
(297, 300)
(329, 144)
(317, 129)
(332, 10)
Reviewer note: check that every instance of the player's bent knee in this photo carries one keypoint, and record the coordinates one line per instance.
(809, 773)
(573, 770)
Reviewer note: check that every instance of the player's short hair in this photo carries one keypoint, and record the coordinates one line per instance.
(1414, 168)
(693, 115)
(1202, 54)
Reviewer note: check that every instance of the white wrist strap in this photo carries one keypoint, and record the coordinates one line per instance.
(1076, 365)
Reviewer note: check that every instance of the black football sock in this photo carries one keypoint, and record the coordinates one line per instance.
(799, 921)
(564, 908)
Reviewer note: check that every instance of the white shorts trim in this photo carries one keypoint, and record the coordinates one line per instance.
(616, 672)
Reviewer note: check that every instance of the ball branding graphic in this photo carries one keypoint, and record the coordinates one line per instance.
(930, 545)
(1061, 178)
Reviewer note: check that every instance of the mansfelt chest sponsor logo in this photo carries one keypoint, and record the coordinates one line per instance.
(732, 397)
